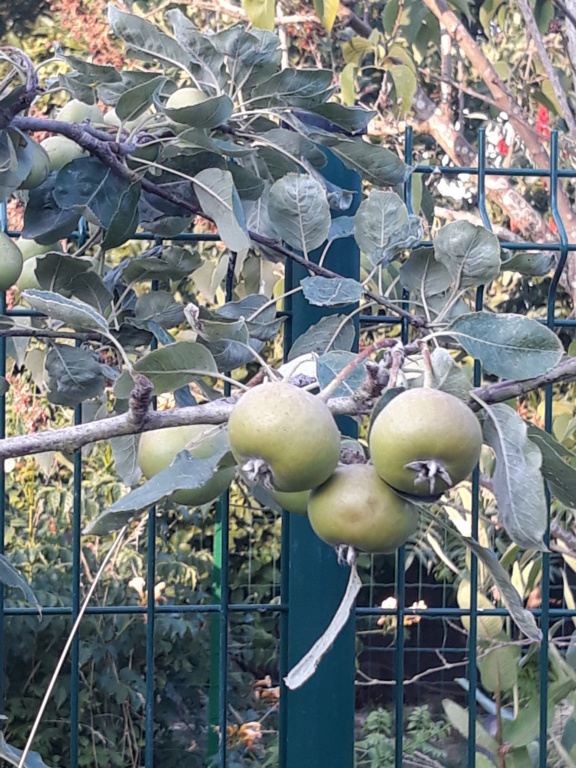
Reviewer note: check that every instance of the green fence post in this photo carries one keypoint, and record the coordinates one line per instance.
(319, 716)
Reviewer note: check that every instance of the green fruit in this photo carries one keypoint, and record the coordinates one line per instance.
(356, 507)
(425, 441)
(10, 262)
(159, 448)
(40, 167)
(76, 111)
(288, 429)
(30, 248)
(293, 502)
(489, 627)
(111, 118)
(61, 151)
(28, 279)
(185, 97)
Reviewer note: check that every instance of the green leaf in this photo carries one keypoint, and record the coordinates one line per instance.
(423, 274)
(499, 668)
(523, 619)
(558, 465)
(209, 113)
(458, 718)
(124, 221)
(44, 220)
(510, 346)
(171, 367)
(228, 341)
(352, 119)
(328, 366)
(326, 11)
(260, 12)
(324, 334)
(331, 292)
(215, 191)
(160, 307)
(471, 254)
(300, 212)
(125, 454)
(295, 144)
(374, 163)
(518, 485)
(13, 755)
(294, 87)
(75, 314)
(147, 41)
(174, 263)
(383, 228)
(200, 48)
(185, 473)
(11, 577)
(447, 375)
(405, 85)
(135, 101)
(534, 264)
(75, 375)
(263, 327)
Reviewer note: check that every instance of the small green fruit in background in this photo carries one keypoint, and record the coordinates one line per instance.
(425, 441)
(61, 151)
(159, 448)
(11, 262)
(288, 429)
(40, 167)
(76, 111)
(356, 507)
(185, 97)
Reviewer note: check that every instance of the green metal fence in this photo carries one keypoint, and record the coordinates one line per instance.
(316, 723)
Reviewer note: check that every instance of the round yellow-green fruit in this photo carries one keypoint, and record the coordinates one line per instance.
(159, 448)
(30, 248)
(290, 430)
(111, 118)
(61, 151)
(28, 279)
(425, 441)
(293, 502)
(10, 262)
(356, 507)
(185, 97)
(76, 111)
(40, 167)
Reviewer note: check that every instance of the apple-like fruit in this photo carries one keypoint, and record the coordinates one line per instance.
(28, 279)
(355, 507)
(30, 248)
(284, 436)
(11, 262)
(61, 151)
(425, 441)
(296, 503)
(159, 448)
(40, 167)
(76, 111)
(185, 97)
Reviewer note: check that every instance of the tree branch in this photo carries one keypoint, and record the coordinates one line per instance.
(532, 27)
(218, 412)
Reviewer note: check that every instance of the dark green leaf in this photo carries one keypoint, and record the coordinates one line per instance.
(210, 113)
(12, 578)
(299, 211)
(323, 334)
(374, 163)
(331, 292)
(423, 274)
(351, 119)
(294, 87)
(383, 227)
(471, 254)
(125, 453)
(44, 220)
(75, 375)
(534, 264)
(174, 263)
(328, 366)
(558, 465)
(510, 346)
(135, 101)
(215, 190)
(518, 484)
(159, 306)
(76, 314)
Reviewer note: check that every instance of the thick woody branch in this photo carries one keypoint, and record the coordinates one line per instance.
(218, 412)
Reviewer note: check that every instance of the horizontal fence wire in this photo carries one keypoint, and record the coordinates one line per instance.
(221, 605)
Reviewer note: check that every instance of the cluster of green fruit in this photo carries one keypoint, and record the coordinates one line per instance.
(423, 442)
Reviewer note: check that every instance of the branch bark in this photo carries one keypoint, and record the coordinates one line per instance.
(218, 412)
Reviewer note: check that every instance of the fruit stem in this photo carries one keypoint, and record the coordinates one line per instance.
(308, 664)
(428, 370)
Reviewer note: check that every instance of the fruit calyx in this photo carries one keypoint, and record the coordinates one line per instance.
(258, 471)
(428, 471)
(347, 555)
